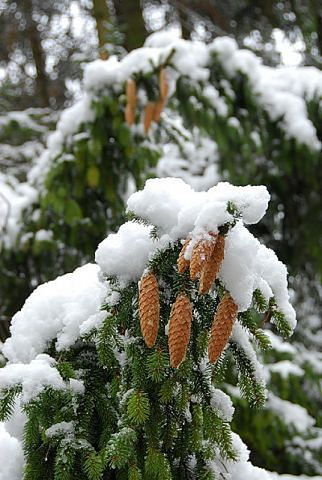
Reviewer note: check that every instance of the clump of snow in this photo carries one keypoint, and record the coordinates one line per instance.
(56, 309)
(174, 207)
(124, 253)
(33, 377)
(222, 404)
(161, 201)
(62, 428)
(11, 456)
(77, 386)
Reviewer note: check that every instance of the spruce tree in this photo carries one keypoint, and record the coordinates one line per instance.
(236, 125)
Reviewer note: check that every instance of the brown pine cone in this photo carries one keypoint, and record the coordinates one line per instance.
(179, 329)
(149, 308)
(212, 266)
(148, 116)
(129, 114)
(164, 84)
(130, 92)
(159, 106)
(200, 255)
(182, 263)
(222, 326)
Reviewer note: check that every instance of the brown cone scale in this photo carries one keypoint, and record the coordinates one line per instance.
(129, 114)
(159, 106)
(149, 308)
(179, 329)
(212, 266)
(148, 116)
(183, 263)
(222, 326)
(164, 85)
(200, 255)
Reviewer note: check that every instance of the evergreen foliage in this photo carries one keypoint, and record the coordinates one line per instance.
(137, 417)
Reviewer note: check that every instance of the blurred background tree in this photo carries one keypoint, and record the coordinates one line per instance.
(43, 43)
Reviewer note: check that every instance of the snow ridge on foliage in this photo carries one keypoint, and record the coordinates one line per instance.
(56, 310)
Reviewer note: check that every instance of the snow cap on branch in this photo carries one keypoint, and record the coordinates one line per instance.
(177, 211)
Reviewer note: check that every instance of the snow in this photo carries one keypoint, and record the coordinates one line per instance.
(285, 368)
(72, 117)
(77, 386)
(15, 424)
(62, 428)
(55, 310)
(14, 198)
(241, 337)
(33, 377)
(222, 404)
(290, 413)
(125, 253)
(11, 456)
(279, 345)
(281, 91)
(174, 207)
(43, 235)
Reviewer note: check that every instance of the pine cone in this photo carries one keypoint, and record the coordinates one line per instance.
(200, 255)
(129, 114)
(131, 92)
(149, 307)
(148, 116)
(164, 84)
(159, 106)
(212, 266)
(182, 263)
(222, 326)
(179, 329)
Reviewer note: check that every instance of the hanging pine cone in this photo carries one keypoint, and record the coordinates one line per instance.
(222, 326)
(130, 92)
(182, 262)
(164, 84)
(148, 116)
(179, 329)
(212, 266)
(200, 255)
(149, 307)
(159, 106)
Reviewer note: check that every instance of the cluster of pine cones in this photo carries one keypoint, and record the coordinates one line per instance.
(152, 110)
(206, 258)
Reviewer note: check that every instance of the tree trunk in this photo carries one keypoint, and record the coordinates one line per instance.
(37, 53)
(102, 16)
(130, 18)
